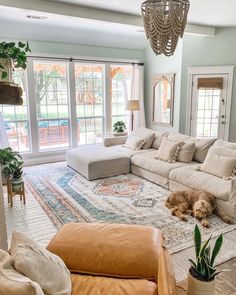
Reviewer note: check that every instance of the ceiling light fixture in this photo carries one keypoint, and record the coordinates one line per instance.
(164, 23)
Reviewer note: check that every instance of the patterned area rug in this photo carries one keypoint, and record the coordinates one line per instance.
(68, 197)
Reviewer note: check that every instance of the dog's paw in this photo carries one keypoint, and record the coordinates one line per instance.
(228, 220)
(184, 218)
(205, 223)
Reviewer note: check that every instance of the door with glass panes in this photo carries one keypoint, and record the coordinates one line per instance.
(209, 106)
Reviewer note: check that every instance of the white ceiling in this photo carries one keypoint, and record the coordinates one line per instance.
(205, 12)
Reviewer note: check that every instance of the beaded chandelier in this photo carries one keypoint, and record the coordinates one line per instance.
(164, 23)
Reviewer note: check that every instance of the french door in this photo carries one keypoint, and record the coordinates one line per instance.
(209, 106)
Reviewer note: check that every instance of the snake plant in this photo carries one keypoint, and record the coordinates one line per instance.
(204, 268)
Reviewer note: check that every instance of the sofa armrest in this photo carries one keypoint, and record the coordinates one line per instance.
(109, 141)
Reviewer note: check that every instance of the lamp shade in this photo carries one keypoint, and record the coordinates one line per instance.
(133, 105)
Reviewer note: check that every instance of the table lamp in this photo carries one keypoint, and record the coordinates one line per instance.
(132, 105)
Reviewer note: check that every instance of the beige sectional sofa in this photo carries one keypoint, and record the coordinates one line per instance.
(180, 175)
(114, 158)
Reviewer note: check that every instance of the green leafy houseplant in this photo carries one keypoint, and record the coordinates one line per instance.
(119, 126)
(204, 268)
(201, 279)
(15, 172)
(7, 156)
(17, 53)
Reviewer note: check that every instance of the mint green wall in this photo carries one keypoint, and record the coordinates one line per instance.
(161, 65)
(219, 50)
(85, 51)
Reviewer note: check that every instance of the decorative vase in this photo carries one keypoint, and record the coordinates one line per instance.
(16, 185)
(124, 133)
(8, 67)
(197, 287)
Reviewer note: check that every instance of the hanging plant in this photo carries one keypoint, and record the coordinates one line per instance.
(12, 54)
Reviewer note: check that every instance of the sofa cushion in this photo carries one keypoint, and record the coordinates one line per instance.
(13, 282)
(41, 266)
(192, 177)
(147, 135)
(186, 152)
(201, 145)
(148, 162)
(168, 151)
(90, 285)
(128, 251)
(128, 152)
(159, 136)
(220, 162)
(134, 143)
(225, 144)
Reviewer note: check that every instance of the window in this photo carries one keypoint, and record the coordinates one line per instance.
(52, 102)
(16, 118)
(66, 103)
(121, 77)
(89, 102)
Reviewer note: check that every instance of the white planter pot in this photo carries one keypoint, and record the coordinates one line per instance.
(196, 287)
(120, 133)
(16, 185)
(7, 63)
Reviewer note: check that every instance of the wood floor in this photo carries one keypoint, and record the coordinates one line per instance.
(225, 283)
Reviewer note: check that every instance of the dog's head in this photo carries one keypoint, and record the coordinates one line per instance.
(202, 209)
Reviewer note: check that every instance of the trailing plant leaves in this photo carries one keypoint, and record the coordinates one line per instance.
(4, 75)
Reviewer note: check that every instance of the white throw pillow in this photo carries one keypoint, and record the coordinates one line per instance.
(147, 135)
(159, 136)
(169, 151)
(219, 165)
(186, 152)
(13, 282)
(134, 143)
(41, 266)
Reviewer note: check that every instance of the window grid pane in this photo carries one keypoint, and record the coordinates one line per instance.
(52, 102)
(89, 102)
(16, 118)
(208, 112)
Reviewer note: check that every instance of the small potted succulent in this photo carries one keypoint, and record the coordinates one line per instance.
(201, 280)
(7, 155)
(12, 55)
(15, 171)
(119, 129)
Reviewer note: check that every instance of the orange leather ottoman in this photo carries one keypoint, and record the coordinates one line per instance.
(115, 259)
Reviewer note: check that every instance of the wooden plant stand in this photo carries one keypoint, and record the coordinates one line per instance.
(11, 194)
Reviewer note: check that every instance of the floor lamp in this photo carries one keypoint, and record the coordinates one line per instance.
(132, 105)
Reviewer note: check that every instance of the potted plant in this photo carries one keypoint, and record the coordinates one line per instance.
(12, 55)
(15, 171)
(119, 128)
(201, 280)
(7, 155)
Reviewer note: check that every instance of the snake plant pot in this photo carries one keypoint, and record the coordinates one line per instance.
(16, 185)
(8, 68)
(197, 287)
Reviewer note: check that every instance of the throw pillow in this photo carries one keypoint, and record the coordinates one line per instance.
(147, 135)
(13, 282)
(202, 147)
(219, 165)
(158, 139)
(186, 152)
(41, 266)
(134, 143)
(169, 151)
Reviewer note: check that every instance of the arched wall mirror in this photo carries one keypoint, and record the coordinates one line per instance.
(163, 99)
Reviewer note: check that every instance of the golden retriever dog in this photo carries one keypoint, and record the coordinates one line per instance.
(199, 204)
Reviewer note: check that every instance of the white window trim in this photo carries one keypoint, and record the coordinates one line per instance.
(221, 70)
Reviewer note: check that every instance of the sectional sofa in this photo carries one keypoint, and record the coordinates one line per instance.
(185, 173)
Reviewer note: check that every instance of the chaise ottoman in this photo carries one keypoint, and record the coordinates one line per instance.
(95, 162)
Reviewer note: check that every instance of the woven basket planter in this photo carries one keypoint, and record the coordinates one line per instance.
(196, 287)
